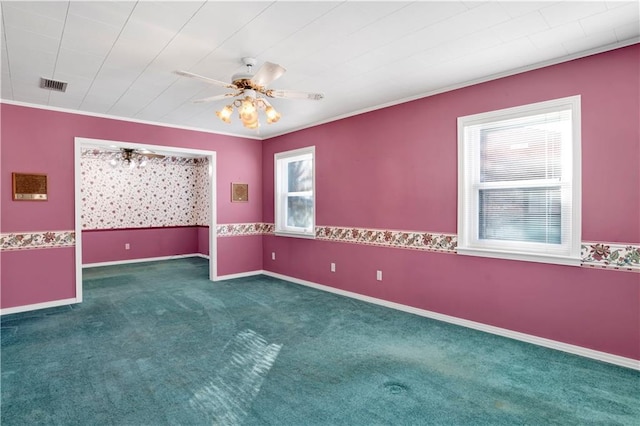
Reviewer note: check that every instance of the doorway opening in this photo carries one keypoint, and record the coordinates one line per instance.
(81, 144)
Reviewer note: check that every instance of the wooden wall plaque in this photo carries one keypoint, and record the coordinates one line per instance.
(29, 186)
(239, 192)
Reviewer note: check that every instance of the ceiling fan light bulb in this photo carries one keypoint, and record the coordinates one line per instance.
(113, 162)
(272, 115)
(252, 125)
(248, 106)
(249, 117)
(250, 121)
(225, 114)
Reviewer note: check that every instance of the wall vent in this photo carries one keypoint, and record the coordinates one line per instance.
(58, 86)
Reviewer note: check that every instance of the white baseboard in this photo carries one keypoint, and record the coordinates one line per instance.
(239, 275)
(540, 341)
(55, 303)
(142, 260)
(33, 307)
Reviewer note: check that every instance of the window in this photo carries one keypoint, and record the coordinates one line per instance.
(295, 193)
(519, 183)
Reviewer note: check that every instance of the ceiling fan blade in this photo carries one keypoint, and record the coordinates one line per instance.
(218, 97)
(294, 94)
(267, 73)
(206, 79)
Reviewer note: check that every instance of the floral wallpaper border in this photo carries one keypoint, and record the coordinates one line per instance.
(619, 256)
(614, 256)
(37, 240)
(446, 243)
(242, 229)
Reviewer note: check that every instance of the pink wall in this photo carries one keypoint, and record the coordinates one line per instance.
(396, 168)
(109, 245)
(239, 254)
(42, 141)
(203, 240)
(37, 276)
(235, 254)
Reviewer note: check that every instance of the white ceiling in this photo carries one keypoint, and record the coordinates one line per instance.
(119, 58)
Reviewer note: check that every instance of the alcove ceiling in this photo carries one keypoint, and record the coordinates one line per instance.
(119, 58)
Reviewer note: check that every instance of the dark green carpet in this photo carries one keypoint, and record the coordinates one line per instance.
(157, 343)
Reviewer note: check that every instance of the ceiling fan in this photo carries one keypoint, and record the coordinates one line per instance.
(252, 86)
(129, 154)
(128, 157)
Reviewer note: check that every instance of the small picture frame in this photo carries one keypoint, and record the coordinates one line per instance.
(239, 192)
(29, 186)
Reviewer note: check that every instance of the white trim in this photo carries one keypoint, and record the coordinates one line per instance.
(539, 65)
(77, 194)
(469, 186)
(80, 142)
(43, 305)
(527, 257)
(280, 191)
(528, 338)
(178, 256)
(127, 119)
(240, 275)
(123, 144)
(492, 77)
(213, 216)
(140, 260)
(307, 235)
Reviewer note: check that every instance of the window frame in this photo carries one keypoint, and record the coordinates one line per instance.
(281, 194)
(469, 187)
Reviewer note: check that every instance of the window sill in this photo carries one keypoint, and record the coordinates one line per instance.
(308, 235)
(525, 257)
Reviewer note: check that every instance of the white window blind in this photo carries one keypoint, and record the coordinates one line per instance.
(295, 193)
(519, 186)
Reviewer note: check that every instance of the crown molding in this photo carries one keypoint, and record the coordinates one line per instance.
(515, 71)
(497, 76)
(118, 118)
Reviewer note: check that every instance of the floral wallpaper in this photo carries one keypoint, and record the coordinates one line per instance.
(167, 191)
(202, 202)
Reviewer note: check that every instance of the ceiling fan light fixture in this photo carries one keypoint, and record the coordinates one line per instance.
(251, 85)
(272, 115)
(250, 120)
(248, 107)
(131, 158)
(225, 114)
(251, 125)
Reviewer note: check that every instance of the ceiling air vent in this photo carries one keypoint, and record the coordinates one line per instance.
(58, 86)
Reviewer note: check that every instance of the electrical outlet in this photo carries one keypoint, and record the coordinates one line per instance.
(379, 275)
(333, 267)
(127, 246)
(273, 255)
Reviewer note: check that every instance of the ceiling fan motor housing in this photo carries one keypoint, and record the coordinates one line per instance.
(243, 79)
